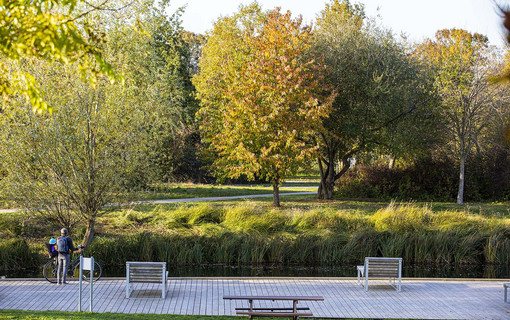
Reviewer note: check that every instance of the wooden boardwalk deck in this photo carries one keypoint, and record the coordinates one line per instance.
(419, 299)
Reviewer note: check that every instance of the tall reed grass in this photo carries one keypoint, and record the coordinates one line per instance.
(16, 254)
(249, 233)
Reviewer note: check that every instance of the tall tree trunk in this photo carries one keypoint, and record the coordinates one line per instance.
(460, 194)
(328, 178)
(276, 192)
(327, 184)
(89, 233)
(391, 163)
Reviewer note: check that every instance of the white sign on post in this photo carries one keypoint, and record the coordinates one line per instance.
(86, 264)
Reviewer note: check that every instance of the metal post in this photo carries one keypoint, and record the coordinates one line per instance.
(366, 274)
(127, 280)
(91, 280)
(163, 284)
(80, 286)
(399, 275)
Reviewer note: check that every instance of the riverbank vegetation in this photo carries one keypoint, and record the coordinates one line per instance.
(304, 232)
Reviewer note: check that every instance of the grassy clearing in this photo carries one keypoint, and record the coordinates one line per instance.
(189, 190)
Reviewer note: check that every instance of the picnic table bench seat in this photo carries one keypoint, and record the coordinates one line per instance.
(293, 315)
(381, 267)
(146, 272)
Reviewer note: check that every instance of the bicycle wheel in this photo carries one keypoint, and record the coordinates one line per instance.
(50, 271)
(98, 270)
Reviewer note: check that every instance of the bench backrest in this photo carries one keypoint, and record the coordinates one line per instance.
(383, 267)
(146, 271)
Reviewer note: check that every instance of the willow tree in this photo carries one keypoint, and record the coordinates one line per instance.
(65, 167)
(257, 95)
(96, 146)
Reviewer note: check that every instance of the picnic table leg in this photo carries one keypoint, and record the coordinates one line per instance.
(294, 305)
(251, 308)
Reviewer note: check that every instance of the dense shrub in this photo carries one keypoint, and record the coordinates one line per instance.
(432, 179)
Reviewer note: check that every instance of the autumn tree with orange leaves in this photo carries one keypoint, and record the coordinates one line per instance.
(256, 88)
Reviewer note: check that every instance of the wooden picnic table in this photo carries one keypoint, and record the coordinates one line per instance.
(273, 311)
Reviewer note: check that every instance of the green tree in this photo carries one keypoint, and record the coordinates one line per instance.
(52, 30)
(99, 142)
(155, 57)
(67, 166)
(257, 94)
(461, 62)
(378, 89)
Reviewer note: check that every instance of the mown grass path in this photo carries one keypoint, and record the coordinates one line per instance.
(419, 299)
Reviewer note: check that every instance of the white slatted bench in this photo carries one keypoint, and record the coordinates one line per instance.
(146, 272)
(381, 268)
(506, 286)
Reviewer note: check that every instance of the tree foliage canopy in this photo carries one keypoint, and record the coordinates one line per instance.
(257, 90)
(461, 71)
(99, 143)
(52, 30)
(377, 87)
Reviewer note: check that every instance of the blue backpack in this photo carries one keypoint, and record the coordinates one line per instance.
(62, 245)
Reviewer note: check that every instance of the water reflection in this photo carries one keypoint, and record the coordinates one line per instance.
(412, 271)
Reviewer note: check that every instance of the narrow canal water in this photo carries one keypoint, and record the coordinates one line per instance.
(413, 271)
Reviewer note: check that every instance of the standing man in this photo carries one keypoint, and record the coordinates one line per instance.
(64, 246)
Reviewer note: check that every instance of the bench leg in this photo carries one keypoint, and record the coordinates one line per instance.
(359, 277)
(506, 294)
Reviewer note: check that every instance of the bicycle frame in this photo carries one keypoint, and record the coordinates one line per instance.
(51, 267)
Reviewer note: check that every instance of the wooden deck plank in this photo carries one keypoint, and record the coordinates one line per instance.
(343, 297)
(173, 296)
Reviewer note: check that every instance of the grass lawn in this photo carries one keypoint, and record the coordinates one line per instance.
(190, 190)
(58, 315)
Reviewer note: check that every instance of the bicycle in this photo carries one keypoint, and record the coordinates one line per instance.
(73, 273)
